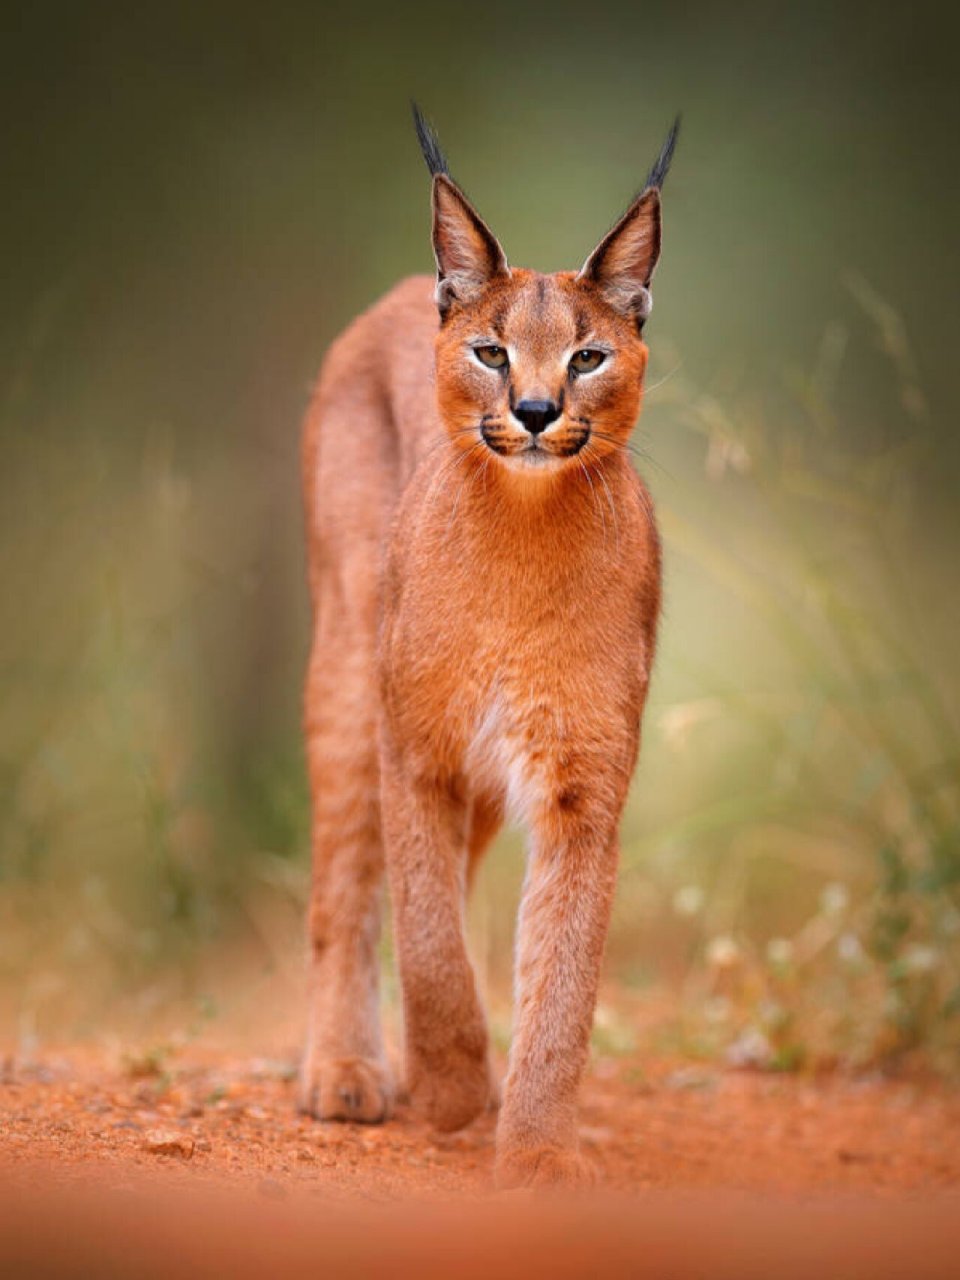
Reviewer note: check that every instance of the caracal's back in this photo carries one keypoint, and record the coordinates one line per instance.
(372, 414)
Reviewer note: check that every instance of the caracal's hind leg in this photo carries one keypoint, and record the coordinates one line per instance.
(445, 1033)
(344, 1074)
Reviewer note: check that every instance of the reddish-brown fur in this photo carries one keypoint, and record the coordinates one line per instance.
(485, 618)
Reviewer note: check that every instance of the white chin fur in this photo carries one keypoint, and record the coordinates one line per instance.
(532, 461)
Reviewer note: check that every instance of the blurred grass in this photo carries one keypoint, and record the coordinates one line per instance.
(822, 857)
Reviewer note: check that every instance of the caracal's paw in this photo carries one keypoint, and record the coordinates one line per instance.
(543, 1168)
(356, 1089)
(450, 1098)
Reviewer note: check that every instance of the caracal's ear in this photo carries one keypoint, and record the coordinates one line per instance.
(467, 252)
(623, 263)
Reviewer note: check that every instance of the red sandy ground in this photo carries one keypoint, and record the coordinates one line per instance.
(675, 1127)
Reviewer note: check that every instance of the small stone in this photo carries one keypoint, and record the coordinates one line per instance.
(167, 1142)
(852, 1157)
(750, 1049)
(690, 1078)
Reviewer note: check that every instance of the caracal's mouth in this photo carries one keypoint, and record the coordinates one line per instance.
(536, 450)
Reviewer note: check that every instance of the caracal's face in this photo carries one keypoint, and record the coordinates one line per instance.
(540, 372)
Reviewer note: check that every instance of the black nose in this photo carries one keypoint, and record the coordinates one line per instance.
(536, 415)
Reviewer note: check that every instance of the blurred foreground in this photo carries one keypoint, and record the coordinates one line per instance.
(140, 1232)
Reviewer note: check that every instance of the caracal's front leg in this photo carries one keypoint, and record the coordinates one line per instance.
(425, 839)
(563, 923)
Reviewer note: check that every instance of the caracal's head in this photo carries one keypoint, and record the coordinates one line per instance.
(543, 371)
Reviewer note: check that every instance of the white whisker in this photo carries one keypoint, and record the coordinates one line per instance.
(596, 499)
(666, 378)
(613, 509)
(456, 502)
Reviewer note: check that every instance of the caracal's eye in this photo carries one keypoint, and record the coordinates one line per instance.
(493, 357)
(587, 360)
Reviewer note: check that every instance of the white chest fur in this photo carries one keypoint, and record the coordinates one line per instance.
(498, 762)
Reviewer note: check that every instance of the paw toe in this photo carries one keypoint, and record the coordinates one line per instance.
(544, 1168)
(352, 1089)
(451, 1101)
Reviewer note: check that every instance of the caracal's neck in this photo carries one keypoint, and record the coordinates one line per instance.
(538, 510)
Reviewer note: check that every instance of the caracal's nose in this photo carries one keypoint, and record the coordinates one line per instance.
(536, 415)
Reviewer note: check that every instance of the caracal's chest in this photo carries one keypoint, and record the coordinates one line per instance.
(525, 696)
(489, 688)
(511, 648)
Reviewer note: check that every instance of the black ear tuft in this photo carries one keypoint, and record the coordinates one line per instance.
(432, 153)
(662, 163)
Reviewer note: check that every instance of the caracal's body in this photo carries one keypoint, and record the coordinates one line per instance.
(485, 576)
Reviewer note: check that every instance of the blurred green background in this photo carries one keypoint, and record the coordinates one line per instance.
(196, 198)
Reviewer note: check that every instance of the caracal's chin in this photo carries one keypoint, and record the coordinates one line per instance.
(536, 461)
